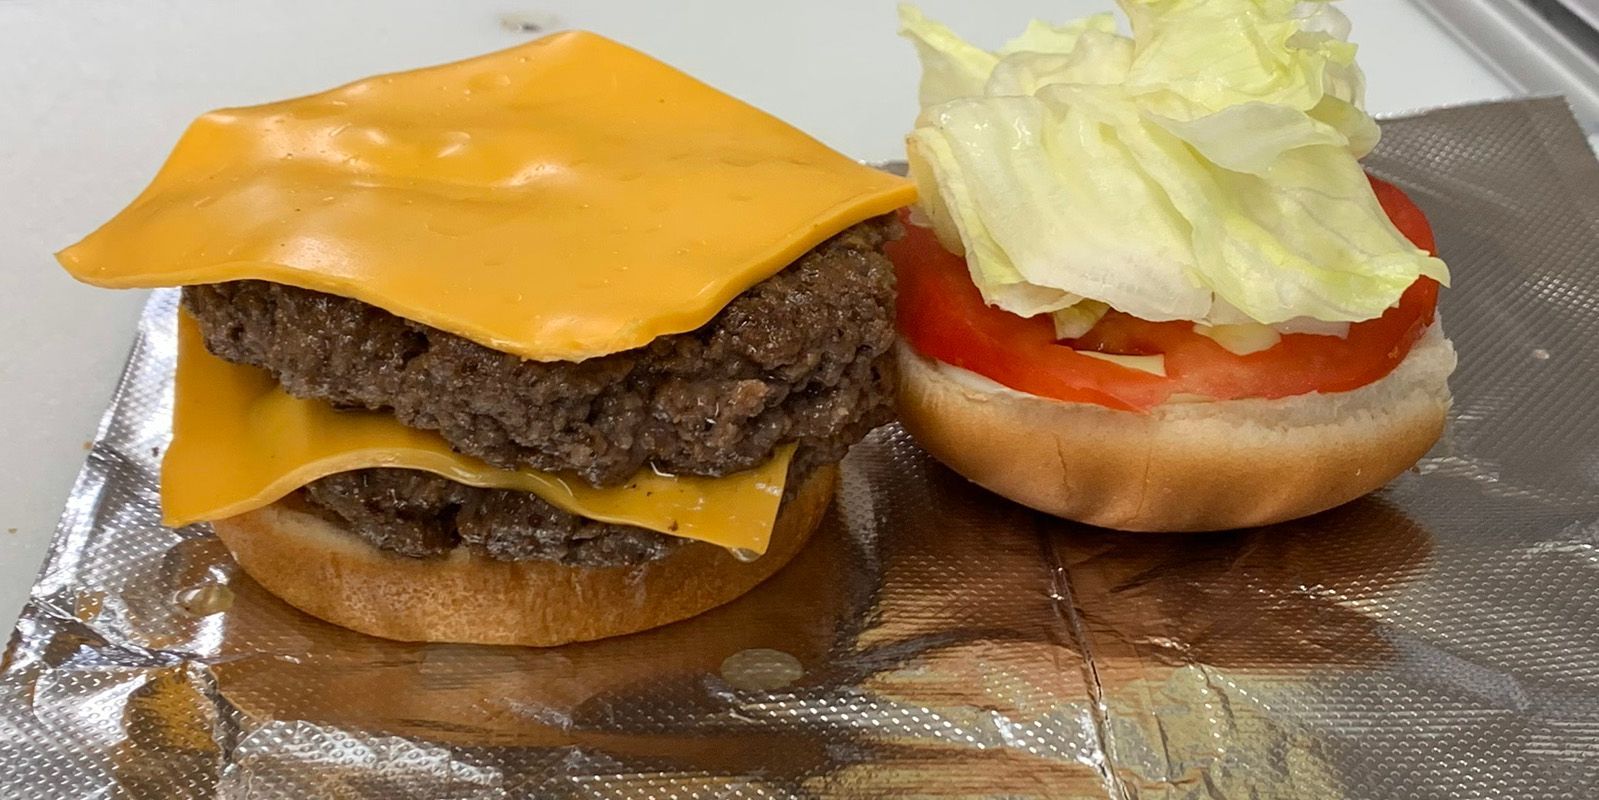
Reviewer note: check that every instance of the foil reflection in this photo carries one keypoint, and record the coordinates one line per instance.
(1301, 595)
(500, 695)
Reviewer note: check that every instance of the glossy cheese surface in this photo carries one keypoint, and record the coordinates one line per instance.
(239, 442)
(560, 200)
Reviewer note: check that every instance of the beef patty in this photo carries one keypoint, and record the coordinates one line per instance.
(422, 515)
(803, 356)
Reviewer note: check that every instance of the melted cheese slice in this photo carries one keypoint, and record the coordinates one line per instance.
(239, 442)
(560, 200)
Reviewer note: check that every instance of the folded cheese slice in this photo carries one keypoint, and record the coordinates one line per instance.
(239, 442)
(560, 200)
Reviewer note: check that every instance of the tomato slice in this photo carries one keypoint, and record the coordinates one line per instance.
(942, 315)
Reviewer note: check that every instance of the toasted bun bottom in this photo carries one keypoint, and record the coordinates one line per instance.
(1183, 466)
(320, 569)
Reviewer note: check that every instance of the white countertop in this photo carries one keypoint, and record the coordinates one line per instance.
(96, 93)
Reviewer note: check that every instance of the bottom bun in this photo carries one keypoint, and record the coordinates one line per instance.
(1183, 466)
(320, 569)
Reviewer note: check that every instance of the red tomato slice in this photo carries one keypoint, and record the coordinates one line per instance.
(942, 314)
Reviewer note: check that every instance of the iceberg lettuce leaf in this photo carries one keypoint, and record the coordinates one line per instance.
(1205, 168)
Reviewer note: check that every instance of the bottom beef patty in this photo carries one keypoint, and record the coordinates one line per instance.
(422, 515)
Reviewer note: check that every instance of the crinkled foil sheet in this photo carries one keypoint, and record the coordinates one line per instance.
(1437, 640)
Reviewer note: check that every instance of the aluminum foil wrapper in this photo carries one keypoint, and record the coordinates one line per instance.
(1437, 640)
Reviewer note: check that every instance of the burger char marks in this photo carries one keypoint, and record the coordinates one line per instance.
(804, 356)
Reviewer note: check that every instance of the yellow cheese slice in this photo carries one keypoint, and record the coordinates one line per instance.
(560, 200)
(239, 442)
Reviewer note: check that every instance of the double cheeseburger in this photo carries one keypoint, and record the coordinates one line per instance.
(1149, 286)
(552, 344)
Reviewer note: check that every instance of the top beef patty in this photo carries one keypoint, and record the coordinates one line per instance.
(800, 357)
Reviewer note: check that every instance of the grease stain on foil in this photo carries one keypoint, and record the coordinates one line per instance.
(205, 600)
(761, 669)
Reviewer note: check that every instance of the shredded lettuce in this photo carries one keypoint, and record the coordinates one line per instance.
(1076, 321)
(1205, 168)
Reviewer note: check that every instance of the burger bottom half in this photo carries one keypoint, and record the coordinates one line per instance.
(803, 358)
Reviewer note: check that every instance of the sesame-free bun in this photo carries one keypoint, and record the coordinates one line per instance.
(1194, 466)
(317, 567)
